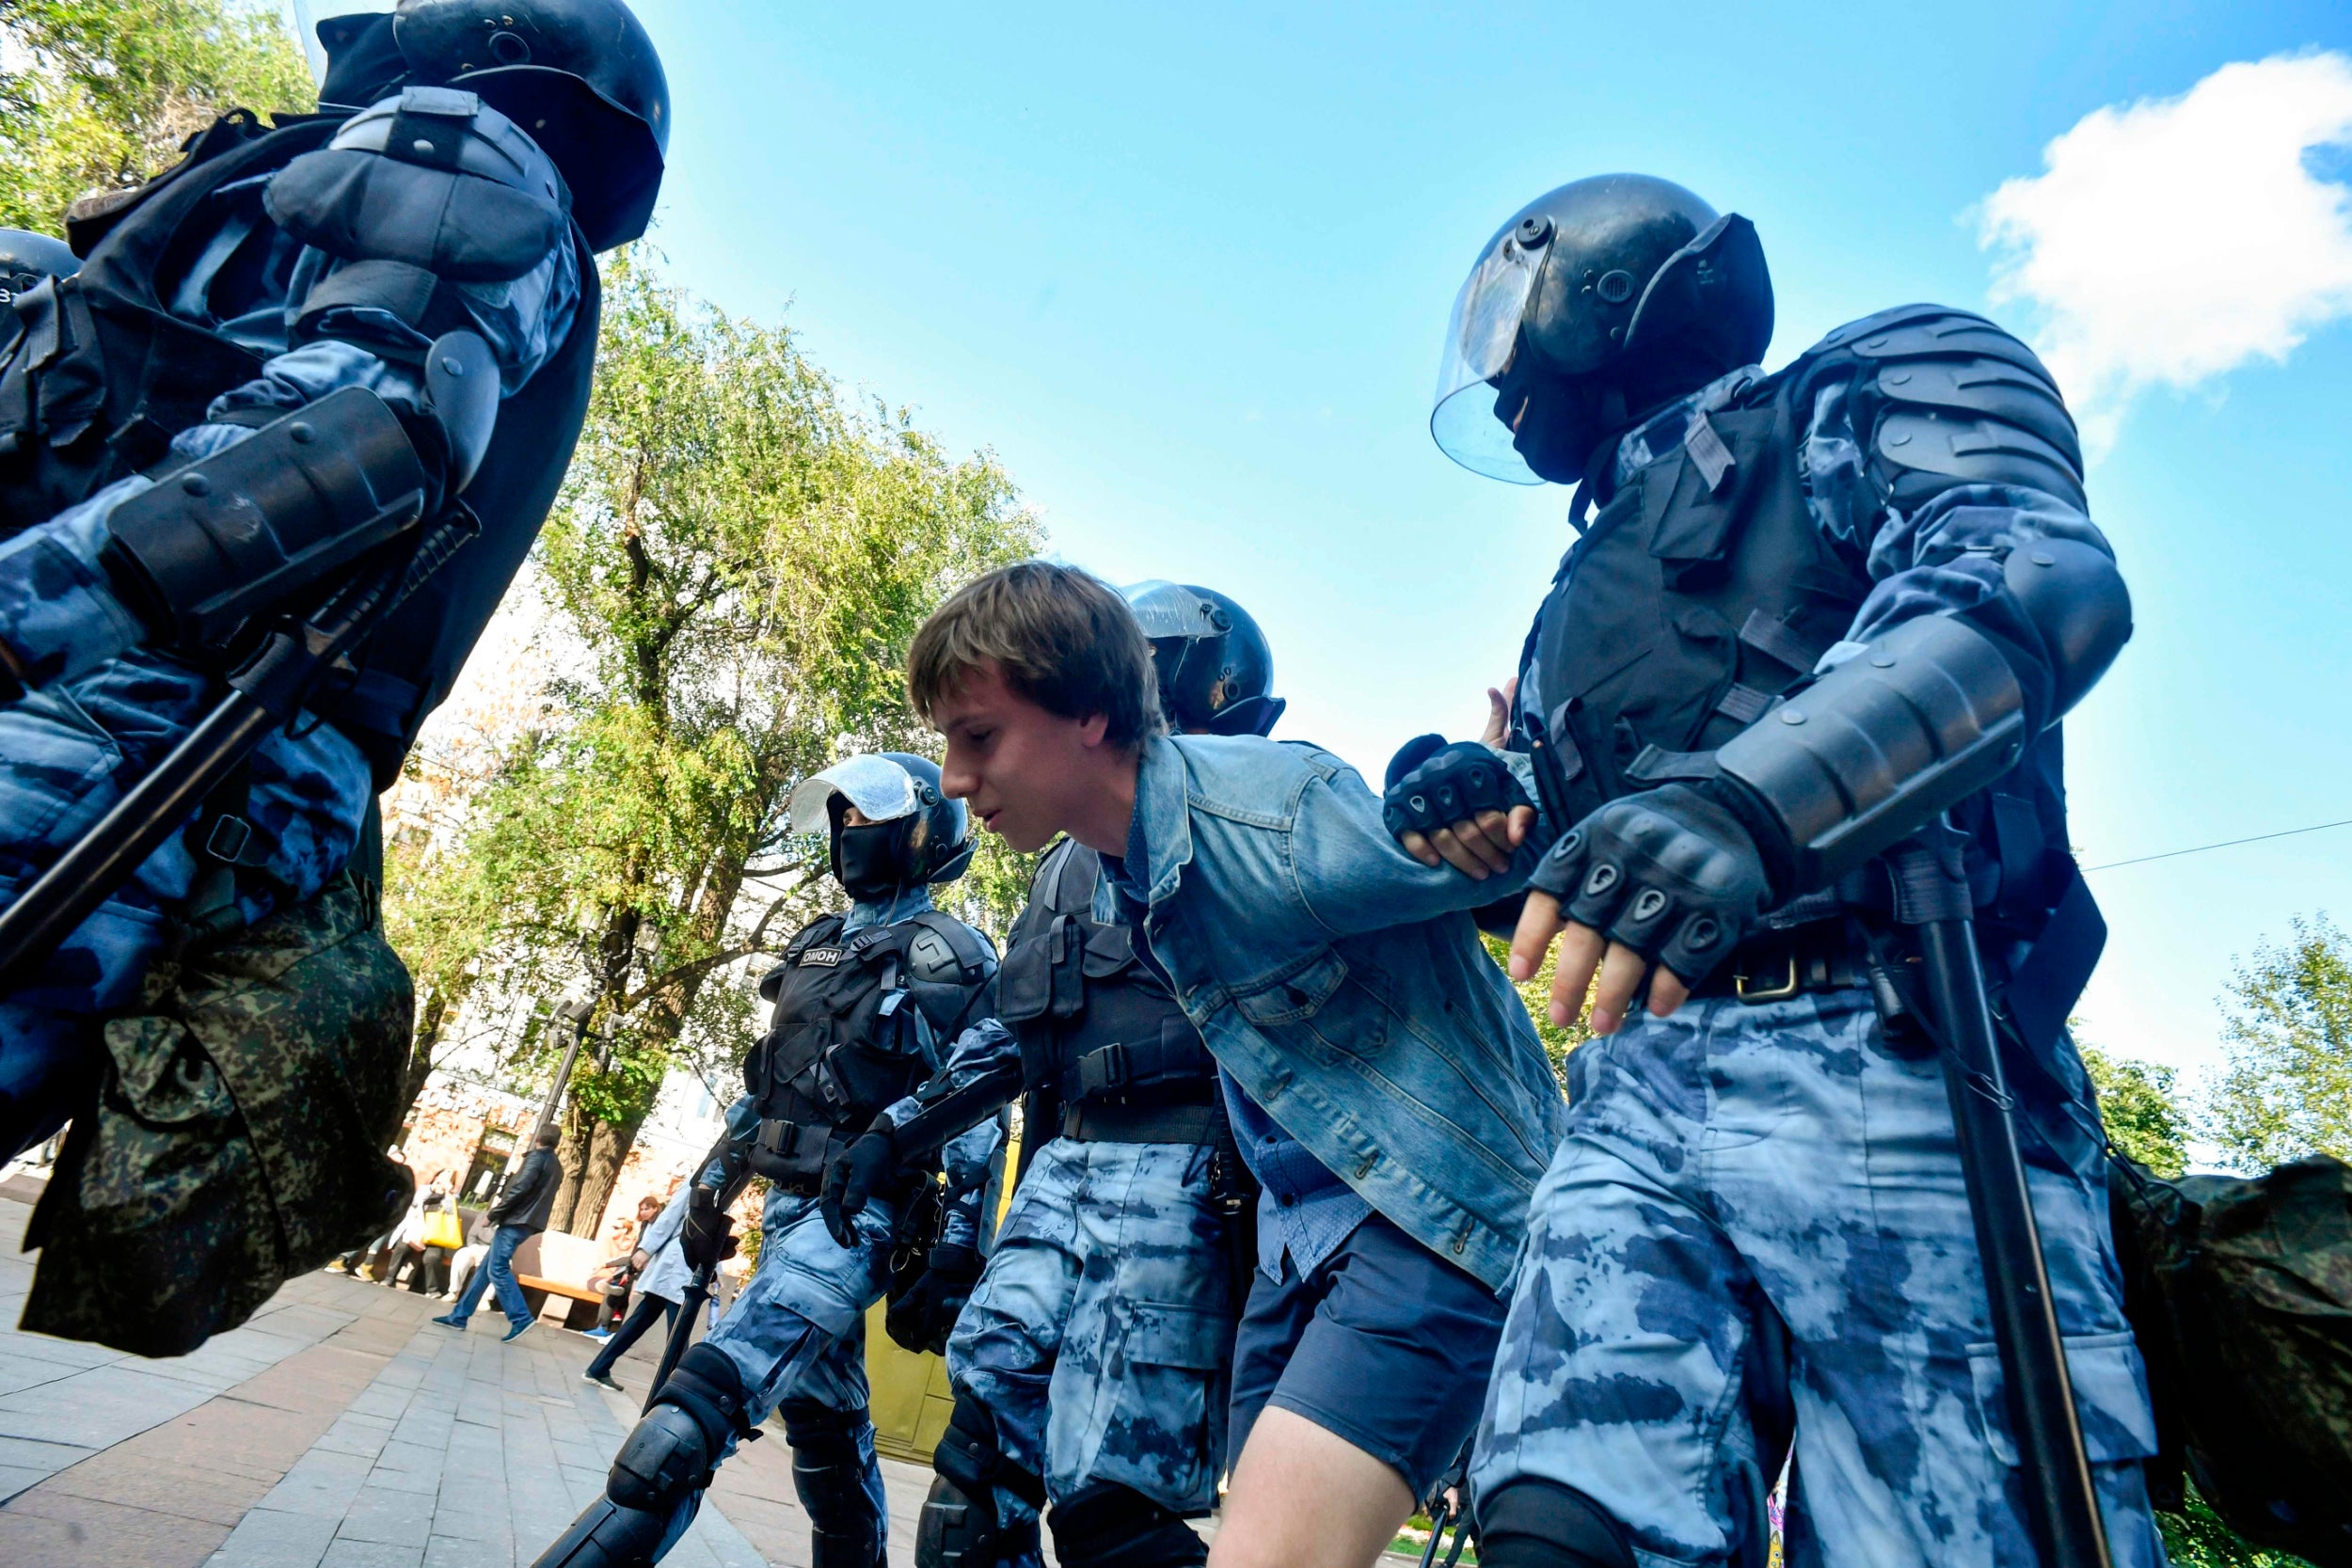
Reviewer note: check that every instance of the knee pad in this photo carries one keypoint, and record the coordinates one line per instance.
(1533, 1523)
(1108, 1524)
(677, 1443)
(607, 1535)
(829, 1473)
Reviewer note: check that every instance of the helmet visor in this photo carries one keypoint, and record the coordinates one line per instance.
(307, 14)
(1171, 610)
(1480, 339)
(874, 784)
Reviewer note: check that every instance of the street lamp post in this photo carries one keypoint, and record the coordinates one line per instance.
(576, 1013)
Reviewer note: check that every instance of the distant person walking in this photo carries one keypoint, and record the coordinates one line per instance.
(660, 1281)
(520, 1212)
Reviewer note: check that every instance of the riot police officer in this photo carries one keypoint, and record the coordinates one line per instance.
(308, 350)
(865, 1004)
(1090, 1365)
(1805, 614)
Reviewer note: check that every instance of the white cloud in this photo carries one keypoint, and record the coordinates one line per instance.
(2174, 239)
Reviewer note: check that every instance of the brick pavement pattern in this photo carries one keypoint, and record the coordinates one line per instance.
(340, 1428)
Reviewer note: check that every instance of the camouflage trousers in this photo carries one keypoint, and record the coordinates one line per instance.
(1732, 1169)
(68, 753)
(798, 1329)
(1100, 1337)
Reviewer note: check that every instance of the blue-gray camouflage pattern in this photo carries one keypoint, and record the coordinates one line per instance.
(1099, 1336)
(798, 1329)
(101, 708)
(1731, 1156)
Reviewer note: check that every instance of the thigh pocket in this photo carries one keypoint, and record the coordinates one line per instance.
(2110, 1398)
(1169, 1362)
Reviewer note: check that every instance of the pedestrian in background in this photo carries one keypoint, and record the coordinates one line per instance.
(661, 1273)
(520, 1213)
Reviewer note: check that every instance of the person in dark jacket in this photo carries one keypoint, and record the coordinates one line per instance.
(521, 1212)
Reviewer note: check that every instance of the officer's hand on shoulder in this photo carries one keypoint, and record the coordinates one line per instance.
(1658, 886)
(1458, 804)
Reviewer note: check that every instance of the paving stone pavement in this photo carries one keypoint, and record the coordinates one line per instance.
(342, 1427)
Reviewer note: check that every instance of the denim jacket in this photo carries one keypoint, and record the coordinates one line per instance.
(1343, 986)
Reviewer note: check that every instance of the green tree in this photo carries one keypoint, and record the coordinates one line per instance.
(1536, 995)
(733, 571)
(104, 91)
(2144, 1115)
(2287, 1090)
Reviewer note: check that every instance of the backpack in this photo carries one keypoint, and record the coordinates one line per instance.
(2240, 1293)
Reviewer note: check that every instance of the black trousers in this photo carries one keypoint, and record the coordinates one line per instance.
(640, 1318)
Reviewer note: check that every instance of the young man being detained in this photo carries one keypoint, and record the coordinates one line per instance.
(1387, 1088)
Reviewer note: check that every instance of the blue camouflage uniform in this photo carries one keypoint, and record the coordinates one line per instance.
(102, 707)
(1744, 1181)
(1098, 1337)
(798, 1329)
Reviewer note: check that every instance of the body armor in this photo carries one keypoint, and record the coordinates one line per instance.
(100, 370)
(859, 1022)
(1703, 589)
(1105, 1047)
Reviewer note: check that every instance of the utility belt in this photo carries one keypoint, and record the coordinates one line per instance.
(1173, 1065)
(1172, 1112)
(1778, 965)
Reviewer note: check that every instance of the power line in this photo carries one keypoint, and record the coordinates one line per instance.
(2225, 843)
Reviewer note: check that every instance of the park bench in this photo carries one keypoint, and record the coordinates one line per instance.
(551, 1266)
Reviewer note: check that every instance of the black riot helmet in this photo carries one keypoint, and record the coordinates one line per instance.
(1590, 307)
(579, 75)
(914, 834)
(1215, 669)
(26, 258)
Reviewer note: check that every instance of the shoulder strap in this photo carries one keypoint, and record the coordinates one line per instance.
(1069, 879)
(822, 929)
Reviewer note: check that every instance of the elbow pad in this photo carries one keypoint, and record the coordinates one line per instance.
(2074, 599)
(245, 529)
(1918, 721)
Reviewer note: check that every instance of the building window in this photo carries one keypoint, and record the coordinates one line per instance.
(489, 1163)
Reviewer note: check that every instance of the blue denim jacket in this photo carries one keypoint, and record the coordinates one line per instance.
(1342, 985)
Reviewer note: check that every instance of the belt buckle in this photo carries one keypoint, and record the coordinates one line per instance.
(1757, 995)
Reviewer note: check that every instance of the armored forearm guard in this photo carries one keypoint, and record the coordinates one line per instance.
(1918, 721)
(251, 526)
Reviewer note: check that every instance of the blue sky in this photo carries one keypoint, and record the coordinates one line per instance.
(1184, 270)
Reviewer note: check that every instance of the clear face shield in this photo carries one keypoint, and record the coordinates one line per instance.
(1480, 339)
(1171, 610)
(307, 14)
(876, 785)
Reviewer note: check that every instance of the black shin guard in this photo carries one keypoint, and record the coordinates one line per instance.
(829, 1472)
(1533, 1523)
(606, 1535)
(1109, 1526)
(961, 1527)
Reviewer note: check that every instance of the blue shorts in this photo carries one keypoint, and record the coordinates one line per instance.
(1383, 1343)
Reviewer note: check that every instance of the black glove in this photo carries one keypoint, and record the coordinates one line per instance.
(853, 1178)
(1670, 873)
(708, 1237)
(921, 1318)
(1433, 785)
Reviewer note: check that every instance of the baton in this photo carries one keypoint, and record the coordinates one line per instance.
(697, 1297)
(265, 693)
(2059, 1494)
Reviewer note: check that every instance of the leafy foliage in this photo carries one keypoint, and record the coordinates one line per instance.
(98, 95)
(2197, 1538)
(732, 575)
(1535, 995)
(2144, 1115)
(2287, 1091)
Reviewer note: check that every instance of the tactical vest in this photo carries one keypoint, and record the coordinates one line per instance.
(1098, 1027)
(100, 370)
(1702, 590)
(859, 1022)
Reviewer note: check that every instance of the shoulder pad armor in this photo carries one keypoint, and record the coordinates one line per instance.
(1066, 882)
(431, 179)
(943, 950)
(1943, 397)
